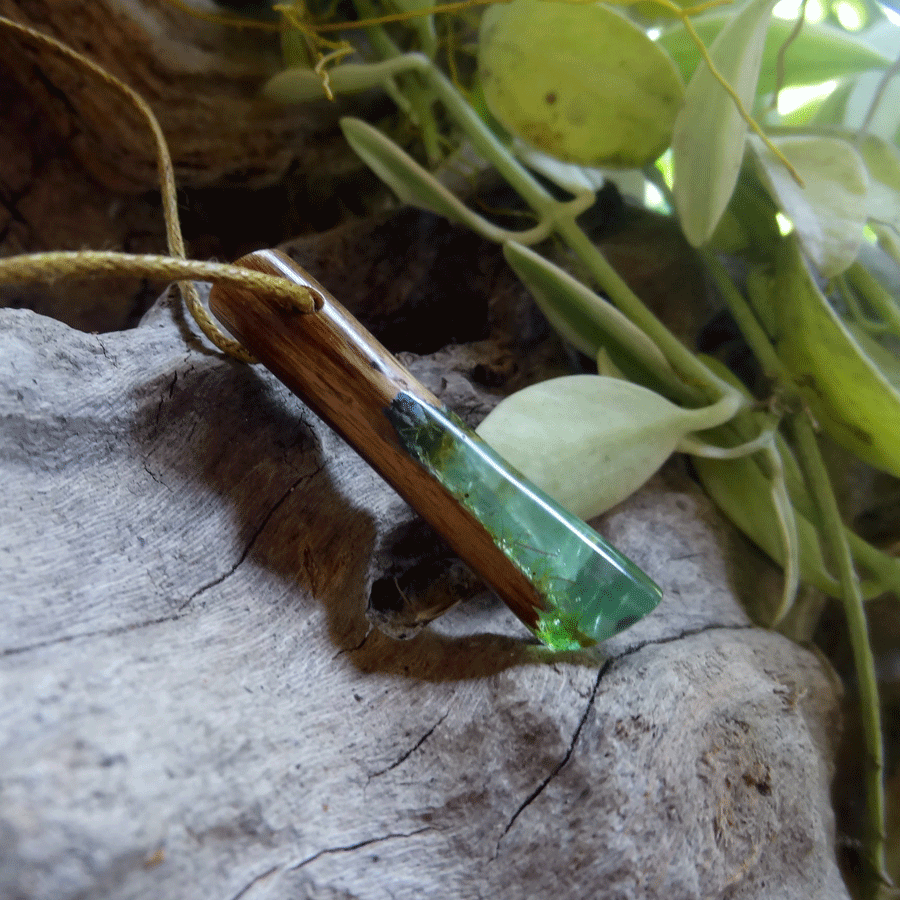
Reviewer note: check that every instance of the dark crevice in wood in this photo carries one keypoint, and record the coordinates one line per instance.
(559, 766)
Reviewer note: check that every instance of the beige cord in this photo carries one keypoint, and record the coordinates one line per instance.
(83, 264)
(45, 267)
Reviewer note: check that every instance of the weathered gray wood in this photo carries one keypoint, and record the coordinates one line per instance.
(192, 707)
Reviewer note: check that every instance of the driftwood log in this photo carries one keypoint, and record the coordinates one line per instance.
(201, 79)
(76, 157)
(195, 706)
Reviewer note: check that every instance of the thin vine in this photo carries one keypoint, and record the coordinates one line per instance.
(45, 267)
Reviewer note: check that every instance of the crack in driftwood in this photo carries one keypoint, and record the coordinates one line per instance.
(158, 479)
(357, 846)
(163, 397)
(681, 635)
(359, 646)
(408, 753)
(101, 632)
(254, 881)
(559, 767)
(219, 579)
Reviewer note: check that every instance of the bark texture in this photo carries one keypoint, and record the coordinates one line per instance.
(195, 706)
(202, 81)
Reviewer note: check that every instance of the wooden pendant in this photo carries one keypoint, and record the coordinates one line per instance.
(557, 575)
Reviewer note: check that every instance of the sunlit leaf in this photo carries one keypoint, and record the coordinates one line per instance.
(833, 109)
(581, 83)
(829, 211)
(708, 143)
(820, 52)
(587, 440)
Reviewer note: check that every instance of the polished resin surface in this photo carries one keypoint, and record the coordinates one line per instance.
(589, 590)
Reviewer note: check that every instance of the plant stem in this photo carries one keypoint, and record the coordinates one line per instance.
(416, 94)
(753, 332)
(873, 326)
(884, 567)
(700, 385)
(833, 532)
(879, 299)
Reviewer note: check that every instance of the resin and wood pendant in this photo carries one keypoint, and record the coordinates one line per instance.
(566, 583)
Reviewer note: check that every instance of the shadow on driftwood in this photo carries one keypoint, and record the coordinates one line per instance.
(305, 508)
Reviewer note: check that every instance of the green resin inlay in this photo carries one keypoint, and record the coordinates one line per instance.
(590, 591)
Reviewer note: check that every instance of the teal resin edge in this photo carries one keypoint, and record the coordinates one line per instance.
(491, 489)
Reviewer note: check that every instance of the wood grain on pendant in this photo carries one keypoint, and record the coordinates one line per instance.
(336, 367)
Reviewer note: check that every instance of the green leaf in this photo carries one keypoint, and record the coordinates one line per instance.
(886, 361)
(581, 83)
(829, 211)
(587, 440)
(710, 134)
(570, 177)
(415, 185)
(744, 493)
(585, 319)
(883, 165)
(820, 52)
(300, 83)
(295, 50)
(833, 109)
(847, 393)
(888, 240)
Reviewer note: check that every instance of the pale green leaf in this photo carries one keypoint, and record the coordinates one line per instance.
(584, 318)
(710, 134)
(833, 109)
(300, 83)
(883, 165)
(820, 52)
(829, 211)
(581, 83)
(412, 183)
(587, 440)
